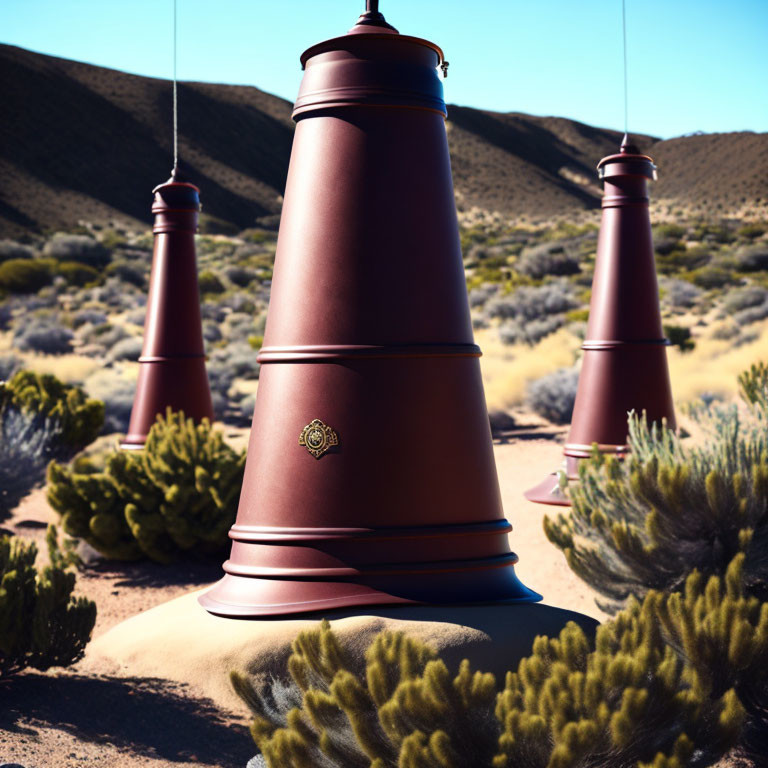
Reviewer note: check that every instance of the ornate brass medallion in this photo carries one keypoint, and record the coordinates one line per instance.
(318, 437)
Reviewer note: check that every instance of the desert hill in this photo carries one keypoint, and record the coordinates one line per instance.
(80, 142)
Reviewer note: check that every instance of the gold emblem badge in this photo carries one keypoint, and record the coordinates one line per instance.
(317, 438)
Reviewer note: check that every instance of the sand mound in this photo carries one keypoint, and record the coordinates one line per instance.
(180, 641)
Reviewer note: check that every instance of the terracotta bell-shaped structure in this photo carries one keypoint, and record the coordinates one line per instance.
(370, 476)
(172, 363)
(624, 366)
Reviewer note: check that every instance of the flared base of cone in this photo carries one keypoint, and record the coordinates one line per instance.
(548, 491)
(248, 597)
(130, 445)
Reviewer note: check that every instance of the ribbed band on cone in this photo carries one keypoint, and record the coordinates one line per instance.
(172, 370)
(370, 475)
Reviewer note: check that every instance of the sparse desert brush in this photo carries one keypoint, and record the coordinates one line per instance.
(508, 369)
(678, 294)
(41, 624)
(176, 497)
(679, 336)
(753, 258)
(41, 419)
(664, 685)
(81, 248)
(713, 366)
(44, 335)
(116, 387)
(674, 506)
(79, 417)
(9, 249)
(553, 396)
(25, 275)
(70, 368)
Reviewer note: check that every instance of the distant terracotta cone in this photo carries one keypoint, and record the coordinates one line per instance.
(370, 474)
(172, 363)
(624, 367)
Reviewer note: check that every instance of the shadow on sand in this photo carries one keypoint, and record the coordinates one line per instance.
(147, 716)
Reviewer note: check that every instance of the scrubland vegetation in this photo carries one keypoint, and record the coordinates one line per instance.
(672, 540)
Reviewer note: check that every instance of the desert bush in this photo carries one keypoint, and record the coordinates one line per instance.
(126, 349)
(712, 277)
(664, 685)
(177, 496)
(13, 250)
(751, 231)
(117, 392)
(669, 508)
(554, 395)
(753, 388)
(41, 624)
(77, 274)
(88, 316)
(530, 303)
(209, 282)
(27, 444)
(752, 315)
(9, 364)
(678, 294)
(752, 258)
(128, 273)
(547, 259)
(25, 275)
(79, 417)
(738, 299)
(43, 335)
(81, 248)
(679, 337)
(241, 276)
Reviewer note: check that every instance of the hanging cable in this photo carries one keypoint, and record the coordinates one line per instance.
(175, 100)
(626, 89)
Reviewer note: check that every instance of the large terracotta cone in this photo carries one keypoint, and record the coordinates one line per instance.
(624, 367)
(172, 363)
(370, 475)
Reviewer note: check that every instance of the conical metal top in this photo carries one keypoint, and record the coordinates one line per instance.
(172, 363)
(372, 20)
(370, 476)
(624, 367)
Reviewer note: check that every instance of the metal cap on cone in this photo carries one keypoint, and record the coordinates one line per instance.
(624, 366)
(172, 363)
(370, 475)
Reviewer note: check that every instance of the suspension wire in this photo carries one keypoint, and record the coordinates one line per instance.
(626, 88)
(175, 100)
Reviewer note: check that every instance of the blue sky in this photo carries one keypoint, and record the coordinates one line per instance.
(692, 65)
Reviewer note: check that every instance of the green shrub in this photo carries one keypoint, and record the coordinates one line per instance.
(665, 681)
(751, 231)
(41, 624)
(753, 387)
(647, 522)
(210, 283)
(76, 273)
(25, 275)
(711, 277)
(177, 496)
(679, 337)
(79, 418)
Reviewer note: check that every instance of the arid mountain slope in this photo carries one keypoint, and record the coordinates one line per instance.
(79, 142)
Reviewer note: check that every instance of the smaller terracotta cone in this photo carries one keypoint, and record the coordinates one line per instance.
(172, 363)
(624, 367)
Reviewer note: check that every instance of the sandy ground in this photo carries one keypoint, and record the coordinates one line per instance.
(91, 716)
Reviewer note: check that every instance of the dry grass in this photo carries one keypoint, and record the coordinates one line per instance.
(714, 364)
(71, 369)
(507, 369)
